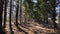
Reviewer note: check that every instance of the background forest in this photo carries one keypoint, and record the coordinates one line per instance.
(29, 17)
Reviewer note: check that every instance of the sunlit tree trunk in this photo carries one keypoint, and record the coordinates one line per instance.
(59, 16)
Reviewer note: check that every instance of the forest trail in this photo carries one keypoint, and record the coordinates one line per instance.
(31, 28)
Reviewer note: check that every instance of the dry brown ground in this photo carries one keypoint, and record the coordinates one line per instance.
(31, 28)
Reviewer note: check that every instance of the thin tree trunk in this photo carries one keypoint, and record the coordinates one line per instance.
(17, 9)
(5, 13)
(10, 11)
(20, 11)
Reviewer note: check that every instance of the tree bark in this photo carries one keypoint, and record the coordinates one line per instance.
(54, 15)
(1, 12)
(20, 11)
(5, 13)
(17, 9)
(10, 12)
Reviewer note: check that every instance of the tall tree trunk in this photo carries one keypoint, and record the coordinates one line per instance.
(20, 11)
(54, 14)
(17, 9)
(10, 12)
(5, 13)
(1, 12)
(10, 24)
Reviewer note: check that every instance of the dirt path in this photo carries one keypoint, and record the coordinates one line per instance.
(29, 28)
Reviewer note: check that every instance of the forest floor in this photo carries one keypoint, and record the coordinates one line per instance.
(30, 28)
